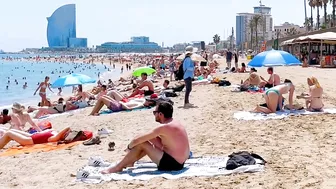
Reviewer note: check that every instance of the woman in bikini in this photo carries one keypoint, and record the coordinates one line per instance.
(19, 118)
(24, 138)
(274, 98)
(116, 103)
(43, 90)
(314, 97)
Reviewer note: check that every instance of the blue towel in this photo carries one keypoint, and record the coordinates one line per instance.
(107, 111)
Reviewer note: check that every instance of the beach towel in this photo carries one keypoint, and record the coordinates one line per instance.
(37, 148)
(244, 115)
(108, 111)
(198, 166)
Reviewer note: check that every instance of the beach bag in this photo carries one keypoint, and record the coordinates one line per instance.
(178, 88)
(74, 136)
(170, 94)
(180, 71)
(242, 158)
(224, 83)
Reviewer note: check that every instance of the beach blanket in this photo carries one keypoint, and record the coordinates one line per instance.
(244, 115)
(198, 166)
(37, 148)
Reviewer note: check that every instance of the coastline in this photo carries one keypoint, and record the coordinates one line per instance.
(54, 97)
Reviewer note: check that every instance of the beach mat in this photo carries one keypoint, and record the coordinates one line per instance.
(244, 115)
(16, 150)
(198, 166)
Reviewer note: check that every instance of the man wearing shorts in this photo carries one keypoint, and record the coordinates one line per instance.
(167, 145)
(143, 83)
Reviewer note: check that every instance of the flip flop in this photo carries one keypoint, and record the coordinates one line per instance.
(92, 141)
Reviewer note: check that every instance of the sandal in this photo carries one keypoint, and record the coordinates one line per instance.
(92, 141)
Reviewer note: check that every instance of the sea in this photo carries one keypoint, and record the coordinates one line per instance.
(33, 73)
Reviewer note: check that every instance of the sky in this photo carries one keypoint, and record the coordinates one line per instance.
(23, 23)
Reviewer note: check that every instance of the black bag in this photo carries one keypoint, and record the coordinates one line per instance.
(178, 88)
(180, 73)
(242, 158)
(224, 83)
(170, 94)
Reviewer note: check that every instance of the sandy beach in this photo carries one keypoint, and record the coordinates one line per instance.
(299, 150)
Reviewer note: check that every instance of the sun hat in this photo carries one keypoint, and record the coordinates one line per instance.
(18, 107)
(189, 50)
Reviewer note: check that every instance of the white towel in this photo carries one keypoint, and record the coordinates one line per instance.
(243, 115)
(202, 166)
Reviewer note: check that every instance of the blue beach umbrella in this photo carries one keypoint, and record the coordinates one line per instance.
(274, 58)
(71, 80)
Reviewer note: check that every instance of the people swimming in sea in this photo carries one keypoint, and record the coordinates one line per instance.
(43, 90)
(25, 85)
(314, 97)
(274, 99)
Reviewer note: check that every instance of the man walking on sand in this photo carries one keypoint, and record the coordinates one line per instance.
(167, 145)
(189, 69)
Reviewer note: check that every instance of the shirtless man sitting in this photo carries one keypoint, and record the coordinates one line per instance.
(143, 83)
(273, 80)
(167, 145)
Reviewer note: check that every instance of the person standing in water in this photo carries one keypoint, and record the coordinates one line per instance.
(43, 90)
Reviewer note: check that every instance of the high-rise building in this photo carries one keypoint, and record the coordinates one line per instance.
(61, 30)
(243, 26)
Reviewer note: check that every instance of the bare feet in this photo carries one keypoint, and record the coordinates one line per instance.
(112, 170)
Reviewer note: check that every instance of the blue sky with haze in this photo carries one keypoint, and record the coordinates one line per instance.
(24, 23)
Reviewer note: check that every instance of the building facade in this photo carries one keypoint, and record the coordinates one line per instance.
(287, 29)
(61, 29)
(137, 44)
(243, 30)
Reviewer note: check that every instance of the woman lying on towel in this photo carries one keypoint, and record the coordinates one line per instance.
(314, 97)
(117, 104)
(274, 98)
(24, 138)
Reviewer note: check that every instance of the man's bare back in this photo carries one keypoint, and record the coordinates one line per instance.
(274, 79)
(174, 141)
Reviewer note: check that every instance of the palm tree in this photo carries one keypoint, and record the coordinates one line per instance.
(307, 24)
(256, 20)
(325, 4)
(250, 25)
(333, 12)
(216, 39)
(312, 5)
(318, 4)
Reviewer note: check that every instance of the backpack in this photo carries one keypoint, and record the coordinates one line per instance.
(74, 136)
(180, 73)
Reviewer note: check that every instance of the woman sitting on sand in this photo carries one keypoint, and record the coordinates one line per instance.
(314, 97)
(242, 69)
(43, 90)
(19, 118)
(24, 138)
(274, 98)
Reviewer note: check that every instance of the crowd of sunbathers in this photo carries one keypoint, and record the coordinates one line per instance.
(274, 90)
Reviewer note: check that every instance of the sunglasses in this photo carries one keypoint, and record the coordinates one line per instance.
(155, 112)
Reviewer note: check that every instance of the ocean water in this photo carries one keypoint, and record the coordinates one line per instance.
(35, 73)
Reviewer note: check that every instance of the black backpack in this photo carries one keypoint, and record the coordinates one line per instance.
(180, 73)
